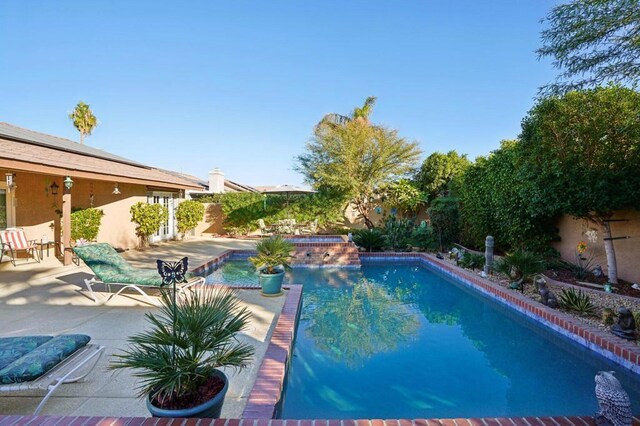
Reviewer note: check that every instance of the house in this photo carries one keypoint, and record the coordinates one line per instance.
(44, 177)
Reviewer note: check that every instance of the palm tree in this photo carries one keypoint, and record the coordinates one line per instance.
(83, 120)
(360, 114)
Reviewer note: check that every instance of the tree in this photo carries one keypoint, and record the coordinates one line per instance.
(83, 120)
(592, 42)
(402, 195)
(360, 114)
(148, 218)
(188, 214)
(581, 156)
(445, 221)
(355, 159)
(438, 171)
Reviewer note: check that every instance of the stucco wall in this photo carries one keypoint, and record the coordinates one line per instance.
(211, 222)
(36, 207)
(572, 231)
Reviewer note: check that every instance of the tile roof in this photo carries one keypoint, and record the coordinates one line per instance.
(37, 148)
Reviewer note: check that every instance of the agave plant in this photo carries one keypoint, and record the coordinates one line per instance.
(369, 239)
(188, 340)
(577, 301)
(272, 253)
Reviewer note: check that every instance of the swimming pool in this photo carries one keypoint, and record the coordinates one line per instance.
(400, 341)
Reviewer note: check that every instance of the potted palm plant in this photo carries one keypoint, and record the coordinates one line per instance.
(272, 258)
(178, 358)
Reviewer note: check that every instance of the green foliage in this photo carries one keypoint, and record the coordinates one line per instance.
(353, 158)
(85, 224)
(188, 214)
(438, 171)
(492, 203)
(472, 260)
(398, 233)
(608, 317)
(83, 120)
(577, 301)
(403, 196)
(148, 218)
(592, 42)
(520, 264)
(272, 252)
(241, 210)
(445, 220)
(186, 342)
(581, 153)
(369, 239)
(424, 238)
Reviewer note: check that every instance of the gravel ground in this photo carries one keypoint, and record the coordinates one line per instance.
(600, 299)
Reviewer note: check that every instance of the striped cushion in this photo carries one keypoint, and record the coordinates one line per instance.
(16, 239)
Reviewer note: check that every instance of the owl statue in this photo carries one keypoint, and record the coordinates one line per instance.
(615, 407)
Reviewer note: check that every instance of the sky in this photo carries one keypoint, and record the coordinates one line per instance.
(239, 85)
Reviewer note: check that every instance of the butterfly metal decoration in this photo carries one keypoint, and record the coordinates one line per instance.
(173, 272)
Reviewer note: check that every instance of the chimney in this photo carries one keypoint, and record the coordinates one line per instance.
(216, 181)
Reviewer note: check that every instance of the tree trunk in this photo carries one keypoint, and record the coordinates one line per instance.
(612, 265)
(363, 211)
(81, 138)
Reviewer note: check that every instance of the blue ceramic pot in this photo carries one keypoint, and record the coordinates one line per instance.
(210, 409)
(271, 283)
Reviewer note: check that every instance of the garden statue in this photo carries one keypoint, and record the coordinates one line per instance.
(615, 406)
(488, 255)
(597, 271)
(625, 326)
(547, 297)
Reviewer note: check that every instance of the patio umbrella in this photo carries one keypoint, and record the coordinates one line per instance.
(287, 190)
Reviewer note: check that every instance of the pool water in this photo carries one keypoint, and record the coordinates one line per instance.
(402, 341)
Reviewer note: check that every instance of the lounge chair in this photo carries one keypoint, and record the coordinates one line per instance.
(309, 228)
(111, 269)
(264, 229)
(14, 240)
(45, 362)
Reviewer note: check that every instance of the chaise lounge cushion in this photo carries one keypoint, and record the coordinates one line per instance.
(12, 348)
(111, 268)
(42, 358)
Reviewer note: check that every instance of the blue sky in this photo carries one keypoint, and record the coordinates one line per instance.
(239, 85)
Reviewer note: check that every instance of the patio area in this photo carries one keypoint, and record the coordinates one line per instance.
(47, 298)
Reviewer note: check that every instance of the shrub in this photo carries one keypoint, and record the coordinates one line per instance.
(520, 264)
(577, 301)
(398, 233)
(472, 260)
(424, 238)
(85, 224)
(148, 218)
(188, 214)
(369, 239)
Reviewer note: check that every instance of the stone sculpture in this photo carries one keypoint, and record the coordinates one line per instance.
(625, 326)
(615, 406)
(546, 297)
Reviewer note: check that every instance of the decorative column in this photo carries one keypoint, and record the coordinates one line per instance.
(66, 221)
(488, 255)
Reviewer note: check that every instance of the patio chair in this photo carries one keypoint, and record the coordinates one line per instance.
(309, 228)
(14, 240)
(264, 229)
(43, 363)
(111, 269)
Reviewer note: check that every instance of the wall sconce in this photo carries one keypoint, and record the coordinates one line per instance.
(116, 190)
(68, 182)
(54, 188)
(10, 179)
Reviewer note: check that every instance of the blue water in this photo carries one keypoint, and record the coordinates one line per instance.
(400, 341)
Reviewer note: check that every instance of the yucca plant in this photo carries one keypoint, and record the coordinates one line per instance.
(272, 252)
(188, 340)
(369, 239)
(520, 265)
(577, 301)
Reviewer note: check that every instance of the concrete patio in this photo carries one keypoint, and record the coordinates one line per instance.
(47, 298)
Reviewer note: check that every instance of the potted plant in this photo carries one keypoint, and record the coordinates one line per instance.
(272, 258)
(178, 358)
